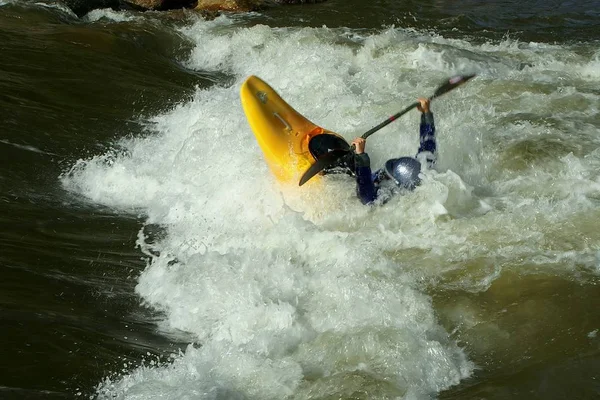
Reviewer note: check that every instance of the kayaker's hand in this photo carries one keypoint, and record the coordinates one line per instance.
(424, 105)
(359, 145)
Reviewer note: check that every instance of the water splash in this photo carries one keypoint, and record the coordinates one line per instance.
(288, 293)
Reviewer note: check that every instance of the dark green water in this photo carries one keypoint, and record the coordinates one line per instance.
(70, 88)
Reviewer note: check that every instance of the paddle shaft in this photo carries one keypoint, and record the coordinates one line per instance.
(389, 120)
(446, 87)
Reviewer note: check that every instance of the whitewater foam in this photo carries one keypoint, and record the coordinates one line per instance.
(288, 291)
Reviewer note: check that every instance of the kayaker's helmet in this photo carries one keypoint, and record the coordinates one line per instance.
(324, 143)
(404, 171)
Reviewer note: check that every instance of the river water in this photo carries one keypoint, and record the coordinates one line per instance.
(148, 253)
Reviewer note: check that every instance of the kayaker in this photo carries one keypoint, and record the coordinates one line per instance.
(397, 173)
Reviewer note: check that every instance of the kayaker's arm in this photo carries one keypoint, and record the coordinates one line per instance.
(427, 131)
(365, 188)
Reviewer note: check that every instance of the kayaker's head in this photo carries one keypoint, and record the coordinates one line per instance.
(324, 143)
(404, 171)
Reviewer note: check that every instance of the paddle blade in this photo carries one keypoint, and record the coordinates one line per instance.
(323, 162)
(450, 84)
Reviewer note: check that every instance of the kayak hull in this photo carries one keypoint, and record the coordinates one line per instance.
(282, 133)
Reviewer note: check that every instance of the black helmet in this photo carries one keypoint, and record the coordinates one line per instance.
(404, 171)
(324, 143)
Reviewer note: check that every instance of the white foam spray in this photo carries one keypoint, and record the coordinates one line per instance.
(299, 294)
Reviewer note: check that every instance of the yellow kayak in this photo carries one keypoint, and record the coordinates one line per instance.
(289, 141)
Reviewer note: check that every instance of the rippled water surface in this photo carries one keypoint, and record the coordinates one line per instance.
(148, 253)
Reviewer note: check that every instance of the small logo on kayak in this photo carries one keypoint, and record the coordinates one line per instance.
(262, 96)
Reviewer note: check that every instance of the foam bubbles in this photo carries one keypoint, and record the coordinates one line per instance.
(108, 14)
(288, 291)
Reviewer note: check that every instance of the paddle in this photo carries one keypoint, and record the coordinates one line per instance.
(334, 156)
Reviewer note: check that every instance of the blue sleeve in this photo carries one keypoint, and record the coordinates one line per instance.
(427, 133)
(365, 188)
